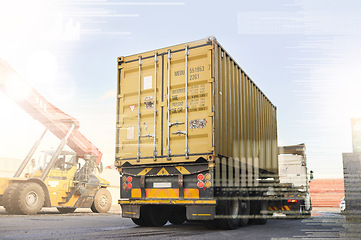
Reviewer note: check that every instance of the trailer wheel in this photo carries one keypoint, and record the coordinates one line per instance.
(158, 216)
(152, 216)
(66, 210)
(30, 198)
(259, 210)
(178, 216)
(138, 221)
(234, 210)
(8, 202)
(303, 211)
(143, 220)
(245, 209)
(102, 201)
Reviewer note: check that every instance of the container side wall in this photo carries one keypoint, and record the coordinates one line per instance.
(246, 128)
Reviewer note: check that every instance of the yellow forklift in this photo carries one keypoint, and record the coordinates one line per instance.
(63, 179)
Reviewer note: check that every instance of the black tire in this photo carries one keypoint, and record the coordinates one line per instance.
(8, 198)
(259, 211)
(66, 209)
(178, 216)
(158, 216)
(139, 221)
(303, 212)
(143, 220)
(307, 213)
(152, 216)
(102, 201)
(234, 210)
(30, 198)
(245, 208)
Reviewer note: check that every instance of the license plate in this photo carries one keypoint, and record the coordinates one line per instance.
(162, 185)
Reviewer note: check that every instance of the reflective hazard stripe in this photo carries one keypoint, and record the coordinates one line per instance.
(162, 193)
(182, 170)
(164, 201)
(136, 193)
(188, 193)
(286, 208)
(144, 171)
(191, 193)
(169, 170)
(273, 208)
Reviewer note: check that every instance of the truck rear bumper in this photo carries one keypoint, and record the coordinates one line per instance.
(195, 209)
(166, 201)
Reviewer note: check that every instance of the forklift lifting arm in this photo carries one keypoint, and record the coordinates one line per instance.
(60, 124)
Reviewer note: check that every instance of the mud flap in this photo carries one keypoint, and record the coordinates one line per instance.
(200, 212)
(131, 211)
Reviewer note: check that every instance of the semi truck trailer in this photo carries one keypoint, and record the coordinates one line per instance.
(196, 139)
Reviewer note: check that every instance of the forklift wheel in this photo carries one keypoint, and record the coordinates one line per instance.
(102, 201)
(30, 199)
(8, 198)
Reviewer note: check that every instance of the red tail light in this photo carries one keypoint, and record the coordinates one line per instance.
(200, 177)
(291, 200)
(130, 179)
(130, 185)
(200, 184)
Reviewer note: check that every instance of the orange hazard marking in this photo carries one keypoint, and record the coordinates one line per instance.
(162, 193)
(286, 208)
(273, 208)
(191, 193)
(136, 193)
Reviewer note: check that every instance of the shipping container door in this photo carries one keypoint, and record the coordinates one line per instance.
(189, 120)
(140, 118)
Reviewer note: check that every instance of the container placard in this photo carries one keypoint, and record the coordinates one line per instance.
(148, 82)
(130, 133)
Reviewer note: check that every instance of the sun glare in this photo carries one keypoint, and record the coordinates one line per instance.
(42, 68)
(16, 88)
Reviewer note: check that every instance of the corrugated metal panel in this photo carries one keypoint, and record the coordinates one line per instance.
(356, 134)
(223, 114)
(245, 120)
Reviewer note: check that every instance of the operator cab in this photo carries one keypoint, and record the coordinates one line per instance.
(66, 160)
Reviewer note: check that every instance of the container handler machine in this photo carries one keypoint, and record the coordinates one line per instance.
(66, 180)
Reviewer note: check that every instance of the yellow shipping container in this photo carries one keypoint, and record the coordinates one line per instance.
(223, 114)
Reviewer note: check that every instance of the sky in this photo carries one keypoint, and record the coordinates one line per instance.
(305, 55)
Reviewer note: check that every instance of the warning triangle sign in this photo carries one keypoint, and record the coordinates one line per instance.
(163, 171)
(132, 107)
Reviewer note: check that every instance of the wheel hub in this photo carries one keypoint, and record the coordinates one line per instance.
(31, 198)
(234, 208)
(103, 201)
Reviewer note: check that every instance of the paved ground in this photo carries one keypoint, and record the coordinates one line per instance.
(83, 224)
